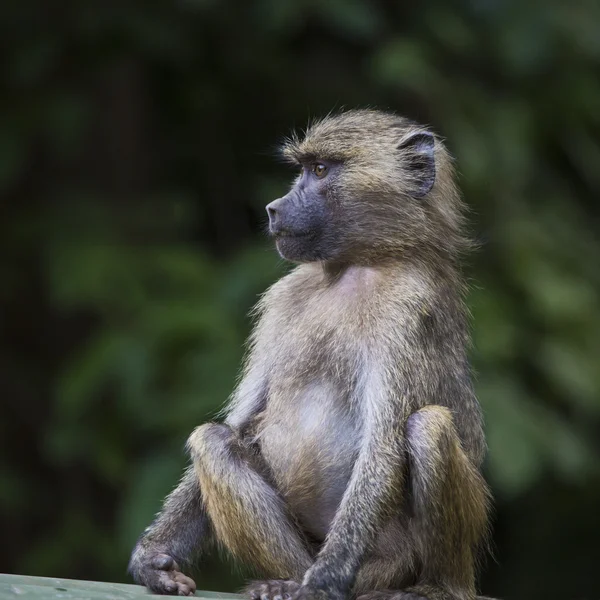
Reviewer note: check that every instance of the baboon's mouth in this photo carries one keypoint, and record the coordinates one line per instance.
(282, 233)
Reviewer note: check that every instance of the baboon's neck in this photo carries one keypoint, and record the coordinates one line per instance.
(422, 259)
(334, 270)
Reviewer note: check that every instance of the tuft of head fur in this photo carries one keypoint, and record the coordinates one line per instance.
(374, 189)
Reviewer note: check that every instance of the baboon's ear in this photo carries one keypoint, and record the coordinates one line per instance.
(418, 150)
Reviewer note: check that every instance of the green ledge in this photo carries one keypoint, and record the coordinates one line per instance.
(24, 586)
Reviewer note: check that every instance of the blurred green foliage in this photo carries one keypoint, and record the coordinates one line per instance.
(135, 161)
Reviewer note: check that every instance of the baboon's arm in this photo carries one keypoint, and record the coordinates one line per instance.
(377, 478)
(179, 531)
(182, 528)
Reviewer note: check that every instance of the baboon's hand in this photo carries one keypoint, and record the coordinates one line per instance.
(161, 575)
(272, 589)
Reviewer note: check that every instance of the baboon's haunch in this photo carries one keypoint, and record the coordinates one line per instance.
(349, 461)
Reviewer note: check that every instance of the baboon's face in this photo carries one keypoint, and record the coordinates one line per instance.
(303, 221)
(361, 189)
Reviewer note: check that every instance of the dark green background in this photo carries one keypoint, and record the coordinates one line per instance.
(136, 157)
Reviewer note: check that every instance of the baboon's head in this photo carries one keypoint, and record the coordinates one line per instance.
(371, 184)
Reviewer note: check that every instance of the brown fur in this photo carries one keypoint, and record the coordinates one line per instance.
(349, 461)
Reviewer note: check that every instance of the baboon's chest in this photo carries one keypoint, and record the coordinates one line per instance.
(312, 424)
(311, 429)
(310, 439)
(320, 339)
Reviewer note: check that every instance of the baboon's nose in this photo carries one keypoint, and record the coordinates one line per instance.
(272, 212)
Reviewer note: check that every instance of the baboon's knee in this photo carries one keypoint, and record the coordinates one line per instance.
(439, 466)
(217, 454)
(210, 441)
(248, 516)
(445, 484)
(430, 434)
(214, 449)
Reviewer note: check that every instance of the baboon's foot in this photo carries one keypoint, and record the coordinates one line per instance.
(391, 595)
(417, 592)
(271, 589)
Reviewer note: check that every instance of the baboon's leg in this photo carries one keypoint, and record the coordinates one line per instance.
(449, 505)
(248, 515)
(393, 562)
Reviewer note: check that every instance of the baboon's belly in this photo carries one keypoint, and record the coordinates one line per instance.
(311, 452)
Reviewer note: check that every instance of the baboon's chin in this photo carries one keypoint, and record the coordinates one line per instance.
(298, 248)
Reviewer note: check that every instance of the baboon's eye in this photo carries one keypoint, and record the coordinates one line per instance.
(320, 170)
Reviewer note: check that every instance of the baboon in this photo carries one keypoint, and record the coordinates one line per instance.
(348, 464)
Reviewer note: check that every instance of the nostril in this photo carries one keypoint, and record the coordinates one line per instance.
(271, 211)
